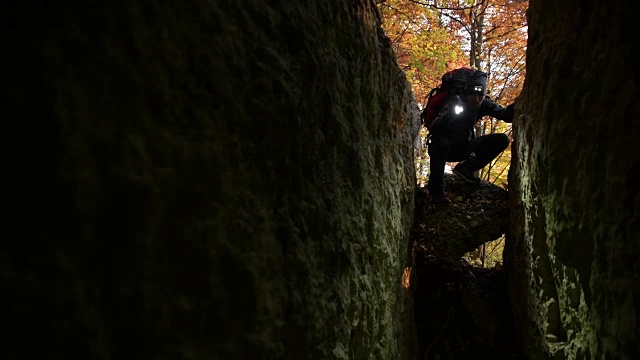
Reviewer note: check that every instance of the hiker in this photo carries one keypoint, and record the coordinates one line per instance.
(452, 135)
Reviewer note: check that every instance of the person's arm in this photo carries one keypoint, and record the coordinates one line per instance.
(491, 108)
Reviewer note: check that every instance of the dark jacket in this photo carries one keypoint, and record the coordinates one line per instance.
(458, 125)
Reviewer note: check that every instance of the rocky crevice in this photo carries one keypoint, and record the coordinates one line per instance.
(461, 311)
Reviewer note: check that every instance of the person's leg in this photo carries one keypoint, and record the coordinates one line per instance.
(483, 149)
(438, 152)
(487, 148)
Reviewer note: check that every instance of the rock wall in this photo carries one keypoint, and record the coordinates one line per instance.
(219, 180)
(573, 253)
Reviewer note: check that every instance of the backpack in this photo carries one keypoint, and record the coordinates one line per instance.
(453, 82)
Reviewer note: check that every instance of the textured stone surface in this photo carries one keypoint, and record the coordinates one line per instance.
(463, 311)
(477, 214)
(573, 255)
(219, 180)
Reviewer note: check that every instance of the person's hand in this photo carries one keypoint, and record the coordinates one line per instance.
(509, 117)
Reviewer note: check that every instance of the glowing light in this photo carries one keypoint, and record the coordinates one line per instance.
(458, 109)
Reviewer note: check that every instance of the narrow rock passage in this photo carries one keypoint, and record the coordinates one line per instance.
(461, 311)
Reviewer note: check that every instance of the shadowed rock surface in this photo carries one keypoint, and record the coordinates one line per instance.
(235, 180)
(477, 214)
(207, 180)
(463, 312)
(574, 195)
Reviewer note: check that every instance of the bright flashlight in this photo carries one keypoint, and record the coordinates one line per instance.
(458, 109)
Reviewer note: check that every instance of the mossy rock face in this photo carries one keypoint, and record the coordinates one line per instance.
(573, 256)
(209, 180)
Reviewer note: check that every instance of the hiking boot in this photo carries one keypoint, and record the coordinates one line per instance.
(465, 174)
(440, 199)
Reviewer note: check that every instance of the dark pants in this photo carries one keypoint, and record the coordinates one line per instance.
(441, 150)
